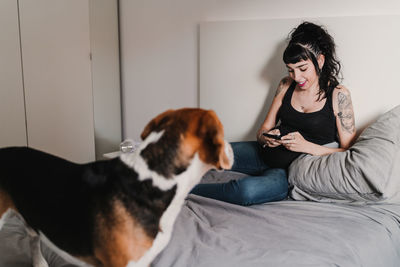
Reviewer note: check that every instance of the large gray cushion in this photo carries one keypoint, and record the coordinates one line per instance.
(368, 171)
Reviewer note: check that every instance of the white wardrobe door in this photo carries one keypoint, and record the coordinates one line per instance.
(55, 42)
(105, 75)
(12, 112)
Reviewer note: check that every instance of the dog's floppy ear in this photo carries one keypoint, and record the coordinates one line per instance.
(213, 150)
(157, 124)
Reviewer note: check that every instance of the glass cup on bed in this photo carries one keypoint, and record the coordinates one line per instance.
(128, 146)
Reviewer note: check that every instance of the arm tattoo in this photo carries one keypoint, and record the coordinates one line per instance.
(282, 84)
(345, 114)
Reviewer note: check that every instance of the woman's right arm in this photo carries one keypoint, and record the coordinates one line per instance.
(270, 119)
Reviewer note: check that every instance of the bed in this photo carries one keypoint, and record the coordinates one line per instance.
(287, 233)
(343, 210)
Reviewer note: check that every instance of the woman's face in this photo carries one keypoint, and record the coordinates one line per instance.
(304, 73)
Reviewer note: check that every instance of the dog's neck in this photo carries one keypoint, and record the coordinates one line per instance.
(139, 165)
(184, 182)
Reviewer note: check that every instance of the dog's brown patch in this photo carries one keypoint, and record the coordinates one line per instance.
(5, 202)
(120, 233)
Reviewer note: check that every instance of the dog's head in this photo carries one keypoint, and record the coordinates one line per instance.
(185, 132)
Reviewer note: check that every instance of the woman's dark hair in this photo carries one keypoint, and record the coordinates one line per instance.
(308, 41)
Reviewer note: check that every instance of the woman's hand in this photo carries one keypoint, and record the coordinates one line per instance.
(295, 142)
(271, 142)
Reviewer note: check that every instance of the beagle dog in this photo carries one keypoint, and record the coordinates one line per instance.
(121, 211)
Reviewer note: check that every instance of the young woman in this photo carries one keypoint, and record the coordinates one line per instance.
(310, 109)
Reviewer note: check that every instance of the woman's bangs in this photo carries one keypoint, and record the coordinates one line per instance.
(295, 53)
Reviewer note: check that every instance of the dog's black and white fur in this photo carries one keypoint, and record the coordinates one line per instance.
(119, 211)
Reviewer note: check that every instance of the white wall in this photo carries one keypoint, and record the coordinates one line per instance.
(159, 45)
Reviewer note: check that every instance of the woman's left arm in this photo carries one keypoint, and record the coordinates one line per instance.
(344, 113)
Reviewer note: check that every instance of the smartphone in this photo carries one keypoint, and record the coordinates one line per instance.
(277, 137)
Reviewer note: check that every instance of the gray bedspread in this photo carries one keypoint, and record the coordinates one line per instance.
(287, 233)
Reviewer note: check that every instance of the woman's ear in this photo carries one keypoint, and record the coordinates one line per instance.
(214, 150)
(321, 61)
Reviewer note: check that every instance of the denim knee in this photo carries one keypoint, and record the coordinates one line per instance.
(261, 189)
(275, 172)
(248, 158)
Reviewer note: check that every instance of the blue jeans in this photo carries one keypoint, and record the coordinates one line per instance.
(264, 184)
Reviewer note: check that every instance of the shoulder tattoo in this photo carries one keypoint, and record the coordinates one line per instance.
(345, 112)
(282, 85)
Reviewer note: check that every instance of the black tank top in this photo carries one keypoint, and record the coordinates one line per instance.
(318, 127)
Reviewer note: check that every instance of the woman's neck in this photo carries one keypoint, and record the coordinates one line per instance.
(312, 90)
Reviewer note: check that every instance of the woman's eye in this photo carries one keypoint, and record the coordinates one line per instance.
(303, 69)
(290, 71)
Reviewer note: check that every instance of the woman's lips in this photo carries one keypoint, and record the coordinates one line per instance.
(301, 84)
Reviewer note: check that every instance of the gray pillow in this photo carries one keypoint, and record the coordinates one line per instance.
(368, 171)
